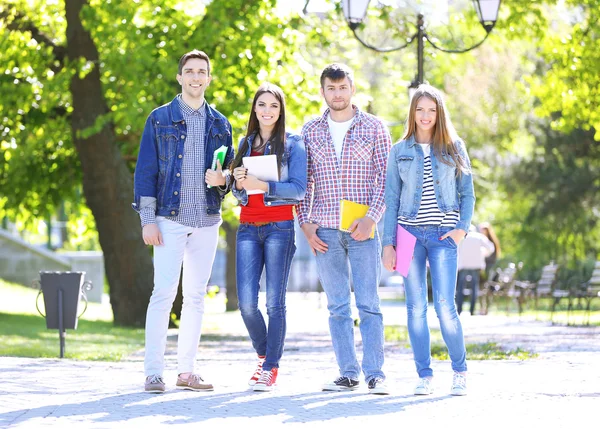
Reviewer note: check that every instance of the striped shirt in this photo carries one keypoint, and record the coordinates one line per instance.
(358, 176)
(192, 206)
(429, 212)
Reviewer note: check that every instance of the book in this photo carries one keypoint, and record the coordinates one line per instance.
(405, 249)
(219, 155)
(351, 211)
(263, 167)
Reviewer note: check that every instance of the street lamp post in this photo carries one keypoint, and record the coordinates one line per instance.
(355, 11)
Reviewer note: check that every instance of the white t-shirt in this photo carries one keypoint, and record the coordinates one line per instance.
(338, 131)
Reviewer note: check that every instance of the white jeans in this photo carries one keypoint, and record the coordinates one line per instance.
(195, 248)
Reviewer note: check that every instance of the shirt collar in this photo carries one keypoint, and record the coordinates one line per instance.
(358, 115)
(188, 111)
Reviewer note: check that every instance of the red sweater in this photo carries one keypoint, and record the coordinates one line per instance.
(256, 211)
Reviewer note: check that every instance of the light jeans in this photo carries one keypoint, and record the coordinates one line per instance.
(442, 257)
(363, 258)
(271, 247)
(195, 248)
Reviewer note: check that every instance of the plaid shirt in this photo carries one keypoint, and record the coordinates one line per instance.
(359, 176)
(192, 209)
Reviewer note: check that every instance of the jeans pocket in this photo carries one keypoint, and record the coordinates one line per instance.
(451, 241)
(285, 225)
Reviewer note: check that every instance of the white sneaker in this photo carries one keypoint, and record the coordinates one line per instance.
(424, 387)
(377, 386)
(459, 384)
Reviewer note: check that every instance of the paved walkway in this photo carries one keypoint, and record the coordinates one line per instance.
(559, 389)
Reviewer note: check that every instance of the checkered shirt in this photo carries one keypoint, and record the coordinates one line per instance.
(192, 206)
(359, 176)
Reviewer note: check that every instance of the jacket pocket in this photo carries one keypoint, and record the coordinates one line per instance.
(167, 147)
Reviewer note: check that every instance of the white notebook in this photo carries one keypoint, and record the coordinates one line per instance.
(263, 167)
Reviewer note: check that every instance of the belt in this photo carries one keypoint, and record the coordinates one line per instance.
(255, 223)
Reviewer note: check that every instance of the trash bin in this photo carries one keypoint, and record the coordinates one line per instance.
(62, 292)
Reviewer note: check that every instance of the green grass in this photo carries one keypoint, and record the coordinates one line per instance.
(475, 351)
(577, 316)
(24, 334)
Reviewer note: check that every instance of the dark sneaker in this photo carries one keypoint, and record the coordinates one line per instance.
(377, 386)
(267, 381)
(154, 384)
(341, 383)
(194, 382)
(257, 371)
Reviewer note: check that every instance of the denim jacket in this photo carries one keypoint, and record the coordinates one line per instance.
(404, 186)
(157, 178)
(291, 187)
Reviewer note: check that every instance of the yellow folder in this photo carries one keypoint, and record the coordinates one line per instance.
(349, 212)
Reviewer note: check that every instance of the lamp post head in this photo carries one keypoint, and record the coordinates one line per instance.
(487, 12)
(355, 11)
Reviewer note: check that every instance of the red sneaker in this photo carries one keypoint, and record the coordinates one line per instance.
(257, 372)
(267, 381)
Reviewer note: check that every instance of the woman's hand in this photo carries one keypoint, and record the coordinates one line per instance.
(239, 174)
(456, 234)
(389, 257)
(251, 183)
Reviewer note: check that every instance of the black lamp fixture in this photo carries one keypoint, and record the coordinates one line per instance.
(356, 10)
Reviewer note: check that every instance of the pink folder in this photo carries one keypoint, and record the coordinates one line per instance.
(405, 247)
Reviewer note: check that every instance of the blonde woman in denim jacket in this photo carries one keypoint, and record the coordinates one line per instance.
(265, 238)
(429, 192)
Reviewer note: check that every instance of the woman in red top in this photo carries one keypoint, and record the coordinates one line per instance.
(265, 237)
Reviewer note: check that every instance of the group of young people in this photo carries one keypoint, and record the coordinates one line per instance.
(423, 183)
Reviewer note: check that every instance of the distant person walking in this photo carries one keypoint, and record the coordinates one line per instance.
(472, 254)
(490, 261)
(265, 237)
(429, 192)
(347, 150)
(180, 215)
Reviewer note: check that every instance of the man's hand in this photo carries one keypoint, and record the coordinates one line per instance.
(361, 228)
(315, 243)
(389, 257)
(215, 177)
(152, 235)
(456, 234)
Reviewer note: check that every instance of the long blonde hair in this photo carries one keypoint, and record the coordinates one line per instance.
(444, 134)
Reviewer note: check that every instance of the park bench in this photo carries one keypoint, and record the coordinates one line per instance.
(588, 291)
(504, 285)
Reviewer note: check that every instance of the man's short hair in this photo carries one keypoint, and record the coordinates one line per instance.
(336, 72)
(193, 54)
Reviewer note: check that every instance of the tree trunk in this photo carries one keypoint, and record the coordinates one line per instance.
(107, 182)
(230, 280)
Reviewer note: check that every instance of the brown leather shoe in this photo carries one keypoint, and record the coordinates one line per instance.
(154, 384)
(194, 382)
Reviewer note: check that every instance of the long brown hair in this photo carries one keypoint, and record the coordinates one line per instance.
(277, 139)
(487, 230)
(444, 134)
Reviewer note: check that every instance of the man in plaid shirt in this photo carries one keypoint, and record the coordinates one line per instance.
(347, 152)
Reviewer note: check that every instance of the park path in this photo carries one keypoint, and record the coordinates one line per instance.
(559, 389)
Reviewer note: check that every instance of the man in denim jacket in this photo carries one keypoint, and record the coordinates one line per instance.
(178, 197)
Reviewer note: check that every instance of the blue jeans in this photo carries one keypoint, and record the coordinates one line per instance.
(460, 286)
(442, 257)
(365, 264)
(270, 246)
